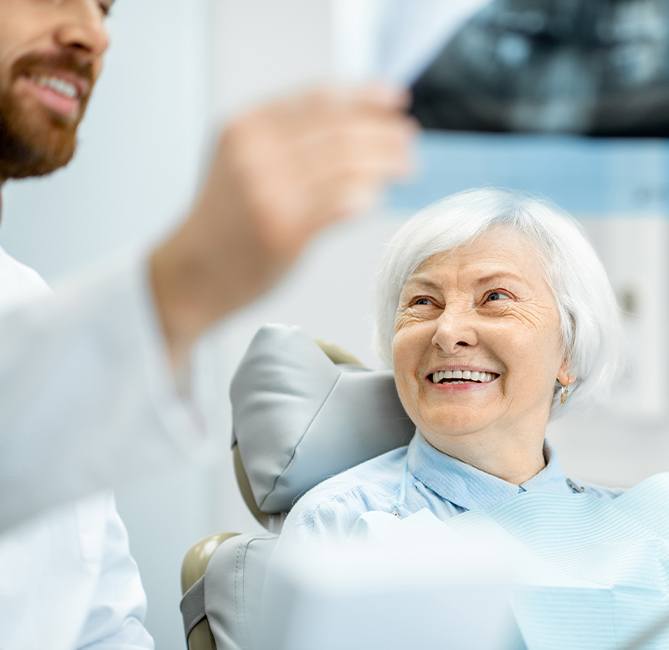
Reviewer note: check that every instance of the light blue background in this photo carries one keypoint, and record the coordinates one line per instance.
(591, 178)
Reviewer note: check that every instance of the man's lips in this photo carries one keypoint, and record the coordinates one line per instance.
(62, 91)
(80, 83)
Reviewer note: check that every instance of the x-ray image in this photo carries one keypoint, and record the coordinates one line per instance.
(595, 67)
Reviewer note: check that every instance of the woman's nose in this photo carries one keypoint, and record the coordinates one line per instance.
(454, 330)
(83, 28)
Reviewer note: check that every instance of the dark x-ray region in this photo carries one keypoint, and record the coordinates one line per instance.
(595, 67)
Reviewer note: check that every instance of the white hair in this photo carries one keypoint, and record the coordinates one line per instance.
(589, 316)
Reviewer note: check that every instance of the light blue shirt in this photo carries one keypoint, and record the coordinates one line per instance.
(408, 479)
(609, 550)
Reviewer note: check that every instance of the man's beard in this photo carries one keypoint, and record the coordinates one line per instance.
(37, 142)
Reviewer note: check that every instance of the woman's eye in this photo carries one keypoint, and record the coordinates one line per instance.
(421, 300)
(496, 296)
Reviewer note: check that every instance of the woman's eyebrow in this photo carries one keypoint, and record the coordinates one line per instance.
(418, 282)
(500, 275)
(421, 281)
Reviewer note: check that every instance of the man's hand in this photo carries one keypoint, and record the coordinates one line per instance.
(279, 175)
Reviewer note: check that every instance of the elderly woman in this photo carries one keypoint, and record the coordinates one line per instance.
(496, 316)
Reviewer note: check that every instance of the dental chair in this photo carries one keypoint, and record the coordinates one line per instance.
(302, 412)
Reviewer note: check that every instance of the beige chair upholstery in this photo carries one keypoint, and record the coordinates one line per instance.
(192, 569)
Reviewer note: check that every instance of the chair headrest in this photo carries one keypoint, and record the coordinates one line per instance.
(298, 418)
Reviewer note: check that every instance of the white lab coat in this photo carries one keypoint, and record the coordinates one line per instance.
(67, 579)
(88, 399)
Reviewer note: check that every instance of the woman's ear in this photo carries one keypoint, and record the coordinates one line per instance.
(563, 376)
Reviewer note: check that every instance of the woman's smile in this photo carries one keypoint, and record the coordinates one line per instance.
(461, 379)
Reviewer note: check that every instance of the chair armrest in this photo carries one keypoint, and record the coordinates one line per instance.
(192, 569)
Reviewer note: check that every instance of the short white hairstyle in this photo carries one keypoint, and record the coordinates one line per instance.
(590, 319)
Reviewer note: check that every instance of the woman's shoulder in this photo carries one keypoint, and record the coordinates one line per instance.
(339, 500)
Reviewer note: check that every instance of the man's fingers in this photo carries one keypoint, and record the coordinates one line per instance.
(386, 152)
(396, 130)
(350, 194)
(378, 169)
(382, 96)
(372, 96)
(344, 170)
(318, 143)
(330, 107)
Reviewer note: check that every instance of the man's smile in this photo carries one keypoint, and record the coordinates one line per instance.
(60, 92)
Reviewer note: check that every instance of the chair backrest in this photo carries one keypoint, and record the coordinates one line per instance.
(300, 417)
(302, 411)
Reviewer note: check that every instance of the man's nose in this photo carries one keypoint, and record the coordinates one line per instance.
(83, 28)
(455, 329)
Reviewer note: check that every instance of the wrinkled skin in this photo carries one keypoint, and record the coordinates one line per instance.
(484, 305)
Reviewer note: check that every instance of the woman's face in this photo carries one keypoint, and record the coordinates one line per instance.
(477, 345)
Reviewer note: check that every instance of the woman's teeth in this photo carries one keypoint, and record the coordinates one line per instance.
(462, 376)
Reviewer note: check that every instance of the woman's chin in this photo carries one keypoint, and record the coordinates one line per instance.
(451, 428)
(454, 422)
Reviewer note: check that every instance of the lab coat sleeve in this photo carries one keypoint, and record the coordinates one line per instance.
(88, 398)
(116, 612)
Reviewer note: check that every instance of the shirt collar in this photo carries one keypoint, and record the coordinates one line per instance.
(471, 488)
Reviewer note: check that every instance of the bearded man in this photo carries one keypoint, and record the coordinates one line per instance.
(90, 396)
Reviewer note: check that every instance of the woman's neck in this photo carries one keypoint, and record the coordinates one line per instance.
(514, 460)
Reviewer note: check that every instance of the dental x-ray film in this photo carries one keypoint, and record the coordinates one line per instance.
(592, 67)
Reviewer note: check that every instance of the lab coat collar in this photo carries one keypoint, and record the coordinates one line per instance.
(473, 489)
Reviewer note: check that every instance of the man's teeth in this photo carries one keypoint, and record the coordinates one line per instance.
(58, 85)
(467, 375)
